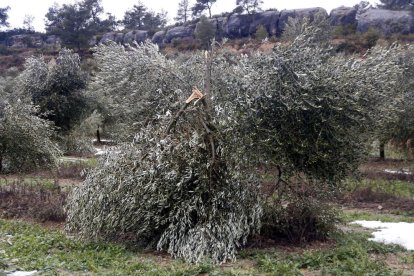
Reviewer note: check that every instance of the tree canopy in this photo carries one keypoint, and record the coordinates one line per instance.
(26, 141)
(77, 23)
(249, 6)
(56, 87)
(396, 4)
(183, 12)
(202, 5)
(4, 16)
(139, 17)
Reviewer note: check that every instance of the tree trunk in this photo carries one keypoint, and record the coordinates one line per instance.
(98, 136)
(382, 150)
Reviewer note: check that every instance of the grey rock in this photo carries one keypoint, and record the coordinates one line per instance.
(220, 24)
(93, 41)
(119, 37)
(53, 40)
(26, 41)
(179, 33)
(269, 19)
(158, 37)
(344, 16)
(137, 35)
(386, 21)
(238, 25)
(310, 13)
(112, 36)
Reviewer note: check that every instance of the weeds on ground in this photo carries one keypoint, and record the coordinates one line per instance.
(52, 253)
(352, 216)
(393, 188)
(41, 202)
(353, 254)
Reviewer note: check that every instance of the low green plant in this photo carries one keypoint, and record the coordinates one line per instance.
(396, 188)
(352, 216)
(299, 219)
(31, 247)
(261, 33)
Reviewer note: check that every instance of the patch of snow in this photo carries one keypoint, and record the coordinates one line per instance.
(400, 233)
(100, 151)
(104, 141)
(403, 171)
(104, 150)
(22, 273)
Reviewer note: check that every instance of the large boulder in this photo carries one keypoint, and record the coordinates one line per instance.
(158, 37)
(180, 32)
(112, 36)
(386, 21)
(310, 13)
(26, 41)
(269, 19)
(238, 25)
(220, 24)
(137, 36)
(343, 16)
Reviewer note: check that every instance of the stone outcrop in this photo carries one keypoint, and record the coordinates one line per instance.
(179, 33)
(33, 41)
(345, 16)
(386, 21)
(138, 36)
(269, 19)
(158, 37)
(244, 25)
(310, 13)
(112, 36)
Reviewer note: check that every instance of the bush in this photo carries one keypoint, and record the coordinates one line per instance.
(261, 33)
(371, 37)
(299, 220)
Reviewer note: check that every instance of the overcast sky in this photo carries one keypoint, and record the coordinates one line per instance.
(38, 8)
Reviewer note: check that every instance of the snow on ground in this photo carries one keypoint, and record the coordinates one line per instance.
(400, 233)
(100, 151)
(403, 171)
(22, 273)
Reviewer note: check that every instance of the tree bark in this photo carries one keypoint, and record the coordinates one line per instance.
(98, 136)
(382, 150)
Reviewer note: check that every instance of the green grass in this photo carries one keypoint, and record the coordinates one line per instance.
(353, 254)
(31, 247)
(396, 188)
(30, 181)
(52, 253)
(352, 216)
(74, 161)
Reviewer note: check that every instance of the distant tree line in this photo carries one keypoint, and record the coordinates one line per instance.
(77, 23)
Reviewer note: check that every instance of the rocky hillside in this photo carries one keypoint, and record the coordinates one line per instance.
(241, 25)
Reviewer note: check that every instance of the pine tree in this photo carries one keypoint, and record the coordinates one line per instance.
(183, 11)
(249, 6)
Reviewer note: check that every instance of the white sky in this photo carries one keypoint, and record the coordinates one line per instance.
(38, 8)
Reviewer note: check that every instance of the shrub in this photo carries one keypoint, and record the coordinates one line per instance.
(261, 32)
(371, 37)
(299, 219)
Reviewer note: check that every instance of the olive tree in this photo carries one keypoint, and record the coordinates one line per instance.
(178, 186)
(57, 88)
(135, 84)
(26, 141)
